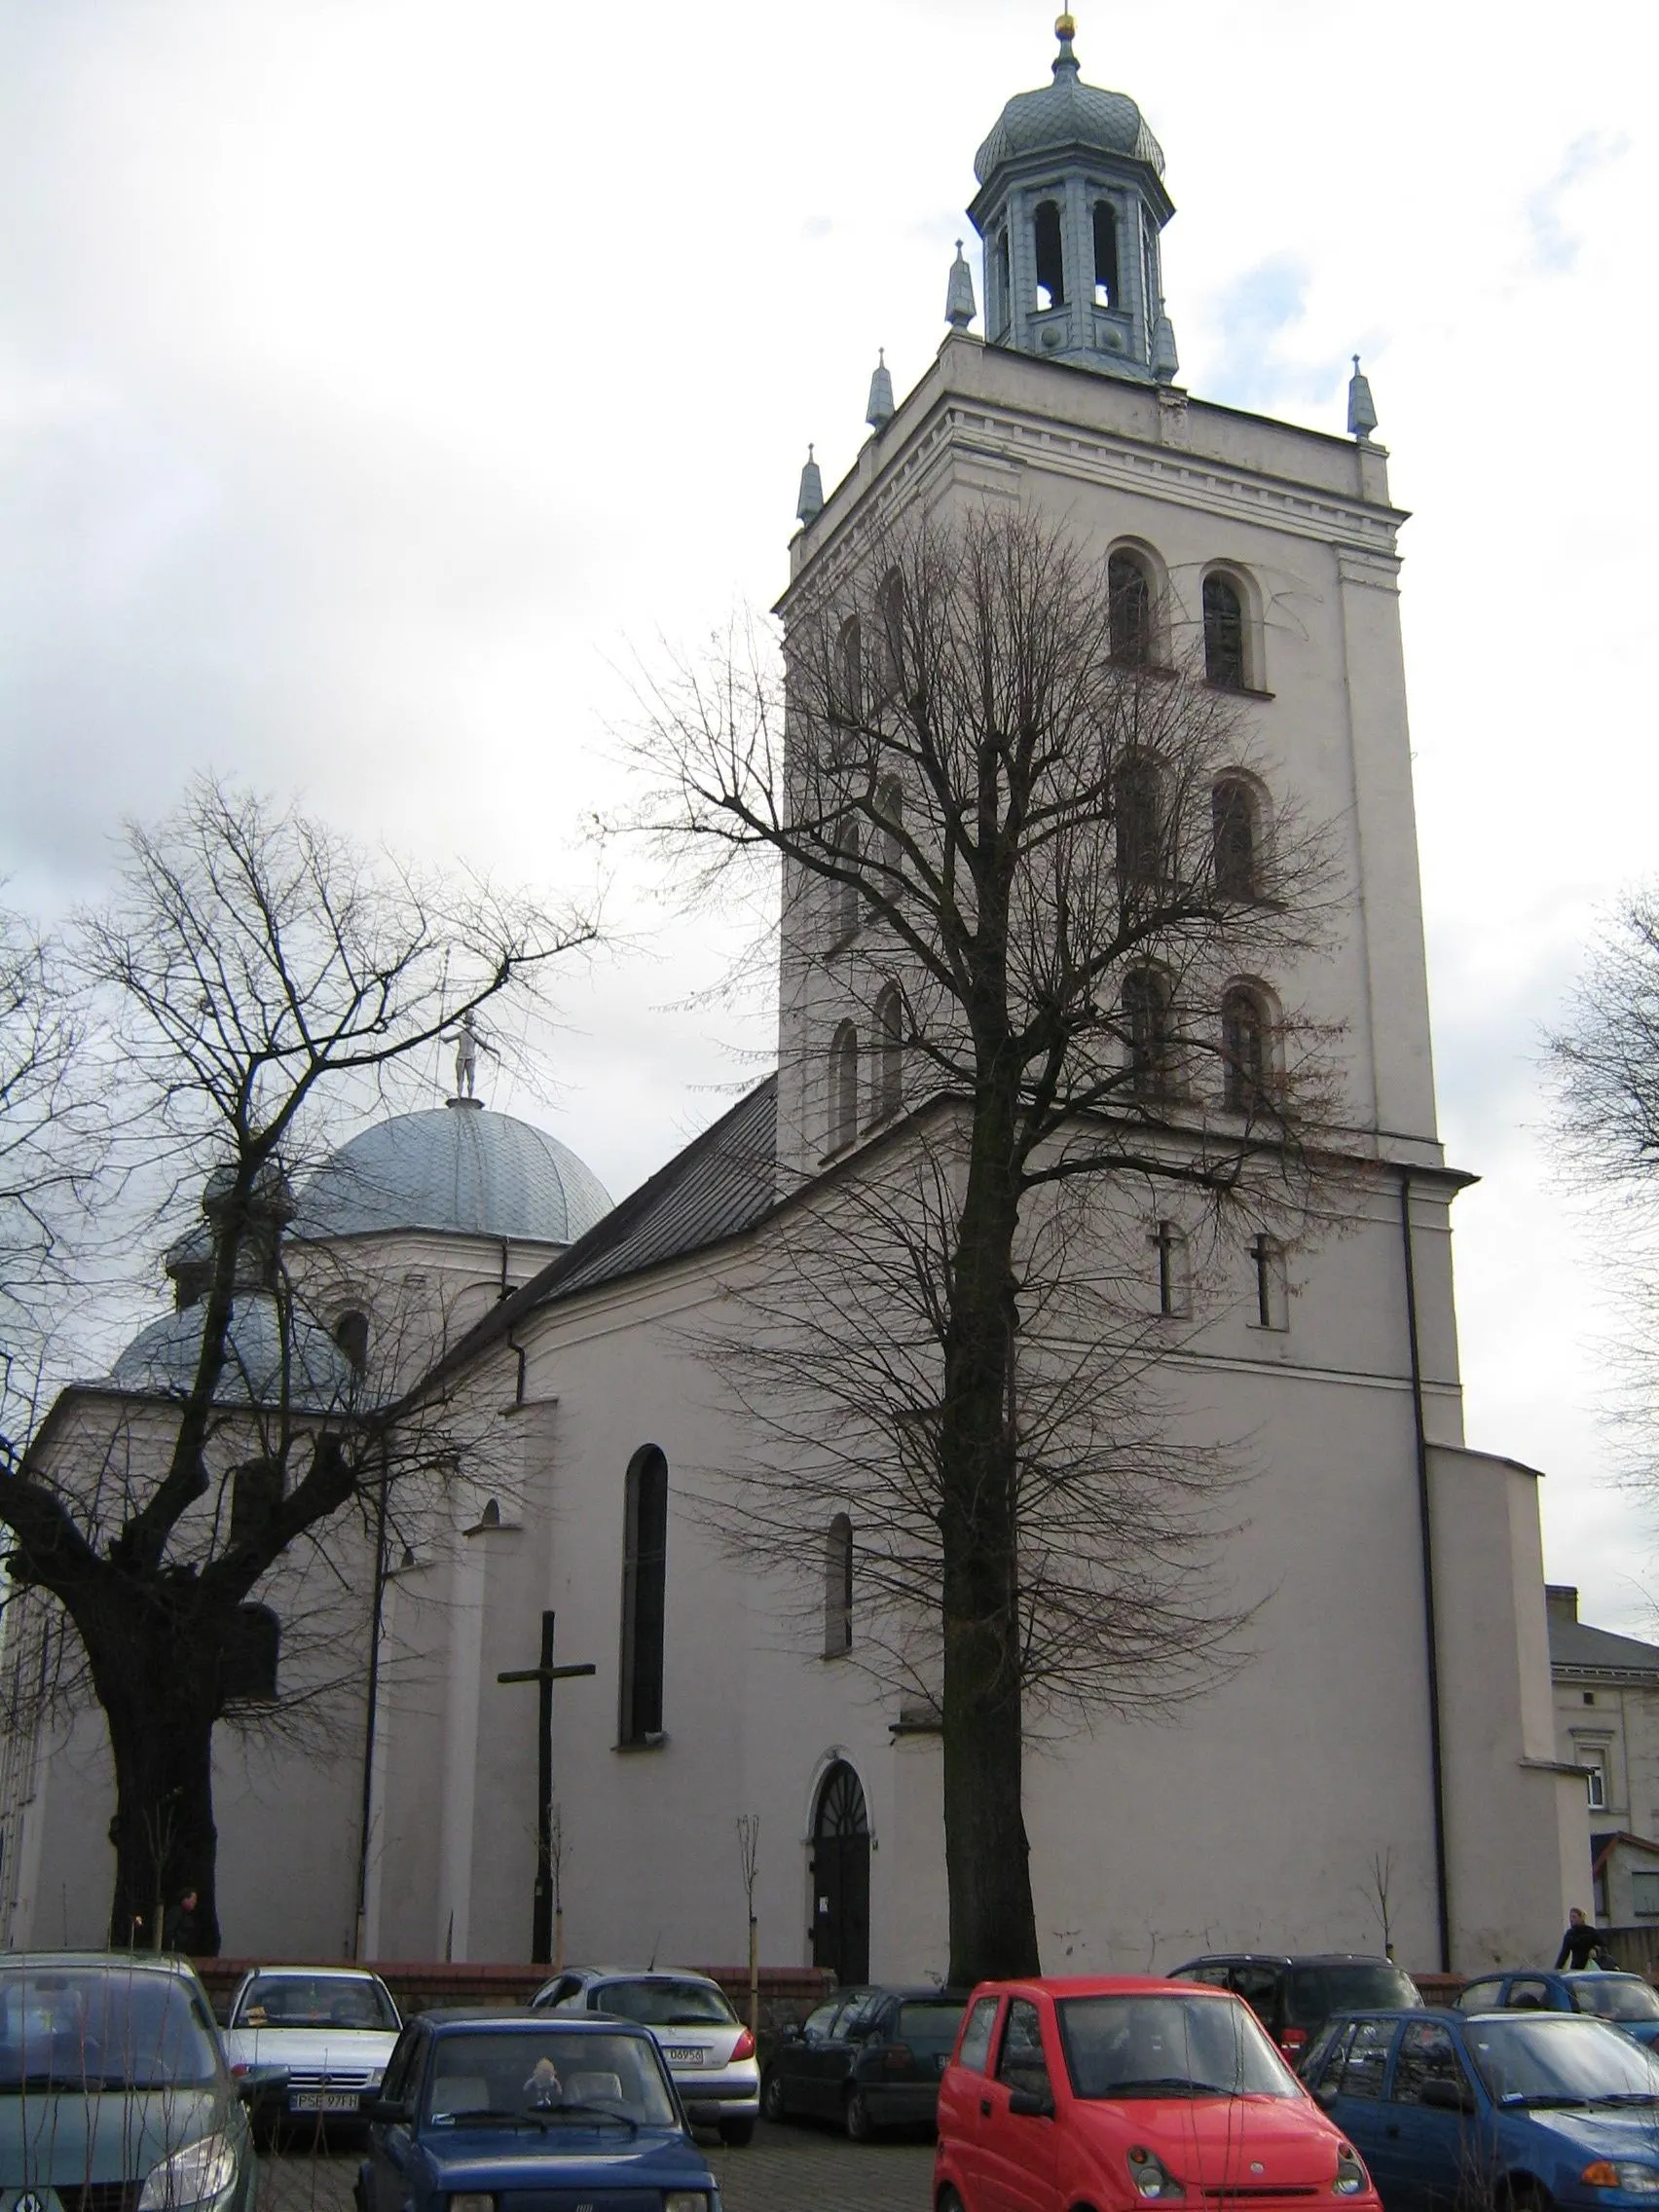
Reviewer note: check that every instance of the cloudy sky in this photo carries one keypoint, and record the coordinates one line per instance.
(379, 380)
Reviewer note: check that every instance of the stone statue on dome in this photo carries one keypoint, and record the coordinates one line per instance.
(468, 1047)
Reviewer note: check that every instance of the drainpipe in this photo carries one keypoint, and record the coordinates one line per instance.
(1437, 1763)
(377, 1612)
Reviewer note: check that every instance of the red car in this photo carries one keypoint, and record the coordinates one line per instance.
(1103, 2094)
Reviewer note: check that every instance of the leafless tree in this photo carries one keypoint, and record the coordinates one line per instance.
(261, 980)
(1044, 904)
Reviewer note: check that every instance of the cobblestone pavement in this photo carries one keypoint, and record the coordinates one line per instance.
(785, 2169)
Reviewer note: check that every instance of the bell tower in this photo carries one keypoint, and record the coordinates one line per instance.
(1070, 207)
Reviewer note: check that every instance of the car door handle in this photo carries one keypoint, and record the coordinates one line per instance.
(985, 2108)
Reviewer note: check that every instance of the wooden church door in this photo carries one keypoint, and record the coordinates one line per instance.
(840, 1877)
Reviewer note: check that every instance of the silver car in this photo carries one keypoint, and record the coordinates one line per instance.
(331, 2028)
(709, 2050)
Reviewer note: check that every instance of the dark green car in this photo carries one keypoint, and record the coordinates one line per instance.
(114, 2094)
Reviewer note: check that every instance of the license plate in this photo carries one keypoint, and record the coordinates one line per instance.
(684, 2053)
(324, 2100)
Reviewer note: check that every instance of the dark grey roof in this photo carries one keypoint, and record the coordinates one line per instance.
(261, 1356)
(1575, 1643)
(1066, 113)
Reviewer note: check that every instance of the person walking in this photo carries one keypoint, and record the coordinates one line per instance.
(1580, 1943)
(181, 1931)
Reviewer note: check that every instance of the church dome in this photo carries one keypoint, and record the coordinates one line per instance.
(163, 1358)
(458, 1169)
(1068, 114)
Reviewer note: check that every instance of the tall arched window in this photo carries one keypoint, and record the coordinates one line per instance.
(1051, 255)
(1129, 593)
(838, 1588)
(248, 1655)
(352, 1335)
(843, 1086)
(1233, 839)
(889, 611)
(1005, 286)
(1149, 1030)
(644, 1592)
(1224, 633)
(1105, 254)
(847, 675)
(890, 806)
(890, 1052)
(1246, 1065)
(1138, 791)
(849, 847)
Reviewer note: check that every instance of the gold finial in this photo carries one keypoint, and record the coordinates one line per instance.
(1065, 25)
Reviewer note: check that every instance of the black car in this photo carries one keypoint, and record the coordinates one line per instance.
(870, 2059)
(1294, 1994)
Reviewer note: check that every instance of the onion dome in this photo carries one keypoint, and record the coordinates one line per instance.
(163, 1359)
(1068, 114)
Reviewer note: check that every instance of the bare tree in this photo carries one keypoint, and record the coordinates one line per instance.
(261, 980)
(1035, 879)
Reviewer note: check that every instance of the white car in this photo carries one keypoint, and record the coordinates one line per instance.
(331, 2027)
(709, 2050)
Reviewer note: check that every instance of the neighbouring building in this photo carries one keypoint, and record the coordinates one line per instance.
(1607, 1709)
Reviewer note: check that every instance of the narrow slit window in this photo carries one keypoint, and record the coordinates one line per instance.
(644, 1594)
(1149, 277)
(1128, 594)
(889, 611)
(1224, 634)
(890, 1052)
(1005, 283)
(843, 1086)
(1272, 1285)
(890, 806)
(1169, 1247)
(838, 1588)
(1139, 797)
(1233, 847)
(1148, 1027)
(1105, 254)
(1244, 1053)
(849, 847)
(847, 676)
(1051, 255)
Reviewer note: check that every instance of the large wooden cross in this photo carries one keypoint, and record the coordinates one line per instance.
(544, 1675)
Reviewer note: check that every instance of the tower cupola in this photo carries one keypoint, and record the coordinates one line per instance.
(1070, 206)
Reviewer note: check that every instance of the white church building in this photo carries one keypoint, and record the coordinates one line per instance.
(1396, 1705)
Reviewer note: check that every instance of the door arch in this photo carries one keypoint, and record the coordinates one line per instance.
(840, 1876)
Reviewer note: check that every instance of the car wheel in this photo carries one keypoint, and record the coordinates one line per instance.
(772, 2098)
(856, 2117)
(1525, 2196)
(948, 2201)
(737, 2134)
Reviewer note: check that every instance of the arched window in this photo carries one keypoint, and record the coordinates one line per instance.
(1051, 255)
(890, 1052)
(1233, 839)
(644, 1592)
(846, 703)
(1005, 284)
(1224, 633)
(352, 1335)
(1105, 254)
(840, 1877)
(1138, 789)
(1128, 594)
(1149, 1030)
(890, 806)
(1247, 1069)
(843, 1086)
(248, 1655)
(849, 846)
(890, 611)
(838, 1588)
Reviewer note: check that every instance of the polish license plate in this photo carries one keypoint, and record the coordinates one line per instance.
(324, 2100)
(684, 2053)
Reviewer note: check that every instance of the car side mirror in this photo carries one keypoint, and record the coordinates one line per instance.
(1445, 2096)
(1030, 2104)
(262, 2085)
(386, 2112)
(792, 2034)
(1326, 2092)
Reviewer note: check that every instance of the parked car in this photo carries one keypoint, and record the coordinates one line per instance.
(1293, 1994)
(709, 2050)
(1522, 2110)
(480, 2109)
(113, 2091)
(1625, 1999)
(870, 2059)
(1110, 2090)
(331, 2029)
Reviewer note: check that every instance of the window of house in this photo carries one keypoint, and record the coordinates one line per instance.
(843, 1086)
(1147, 1026)
(838, 1588)
(1169, 1247)
(1128, 594)
(1644, 1895)
(1595, 1765)
(644, 1594)
(1233, 839)
(247, 1661)
(1224, 634)
(1051, 255)
(1105, 254)
(1245, 1058)
(1138, 793)
(890, 1052)
(1272, 1285)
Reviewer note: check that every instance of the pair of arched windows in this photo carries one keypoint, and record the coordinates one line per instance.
(849, 675)
(1143, 830)
(1246, 1041)
(887, 855)
(1047, 243)
(1270, 1287)
(645, 1596)
(887, 1087)
(1132, 619)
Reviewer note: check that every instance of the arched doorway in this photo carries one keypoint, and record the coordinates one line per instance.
(840, 1877)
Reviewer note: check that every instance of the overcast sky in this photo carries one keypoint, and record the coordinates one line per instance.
(380, 378)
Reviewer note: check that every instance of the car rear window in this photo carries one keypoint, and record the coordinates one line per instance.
(666, 2004)
(1614, 1997)
(102, 2028)
(928, 2024)
(1316, 1992)
(314, 2001)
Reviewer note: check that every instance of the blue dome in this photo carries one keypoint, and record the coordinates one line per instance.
(163, 1358)
(458, 1169)
(1068, 113)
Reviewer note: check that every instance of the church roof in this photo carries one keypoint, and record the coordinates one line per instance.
(458, 1170)
(163, 1358)
(1068, 113)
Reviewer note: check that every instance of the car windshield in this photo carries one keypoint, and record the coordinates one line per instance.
(930, 2024)
(114, 2027)
(667, 2003)
(1316, 1992)
(314, 2001)
(1138, 2046)
(1555, 2058)
(539, 2076)
(1614, 1997)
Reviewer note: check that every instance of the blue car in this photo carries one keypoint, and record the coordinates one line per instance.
(484, 2108)
(1625, 1999)
(1518, 2109)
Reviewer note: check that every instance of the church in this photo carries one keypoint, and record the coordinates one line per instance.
(1385, 1759)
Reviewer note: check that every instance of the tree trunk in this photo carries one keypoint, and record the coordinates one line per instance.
(160, 1717)
(993, 1922)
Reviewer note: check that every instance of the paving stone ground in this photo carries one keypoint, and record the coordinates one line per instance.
(785, 2169)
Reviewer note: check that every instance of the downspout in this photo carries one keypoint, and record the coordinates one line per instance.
(377, 1612)
(1425, 1533)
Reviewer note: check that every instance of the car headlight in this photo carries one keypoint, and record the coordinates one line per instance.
(195, 2175)
(1152, 2177)
(685, 2201)
(1621, 2173)
(1351, 2176)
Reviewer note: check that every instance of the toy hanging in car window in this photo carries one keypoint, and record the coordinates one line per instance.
(544, 2088)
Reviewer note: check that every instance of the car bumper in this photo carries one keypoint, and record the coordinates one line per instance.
(901, 2104)
(735, 2088)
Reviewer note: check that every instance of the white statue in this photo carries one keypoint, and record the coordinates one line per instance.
(468, 1046)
